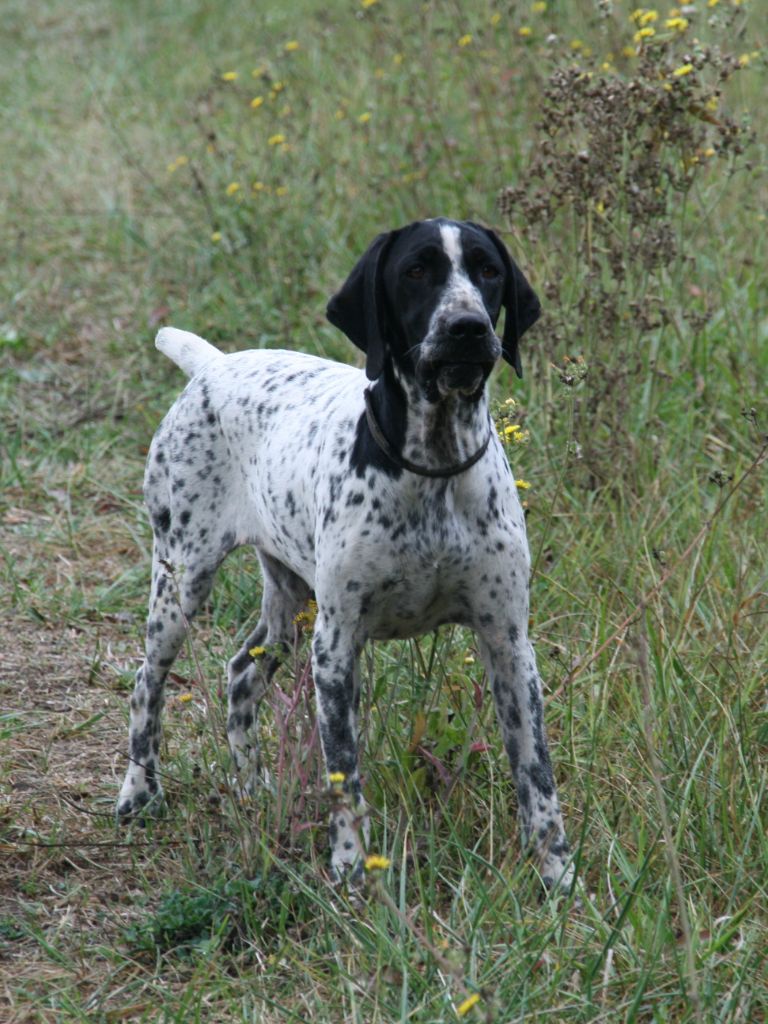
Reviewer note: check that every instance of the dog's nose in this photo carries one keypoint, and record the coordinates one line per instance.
(468, 327)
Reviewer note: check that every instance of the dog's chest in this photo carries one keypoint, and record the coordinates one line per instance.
(416, 563)
(419, 591)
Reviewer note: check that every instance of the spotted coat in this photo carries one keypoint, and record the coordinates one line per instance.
(276, 450)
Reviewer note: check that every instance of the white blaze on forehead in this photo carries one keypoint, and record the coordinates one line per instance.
(460, 292)
(451, 237)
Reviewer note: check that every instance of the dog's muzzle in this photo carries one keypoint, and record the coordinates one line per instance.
(460, 354)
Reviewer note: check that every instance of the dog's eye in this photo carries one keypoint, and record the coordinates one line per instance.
(416, 272)
(489, 272)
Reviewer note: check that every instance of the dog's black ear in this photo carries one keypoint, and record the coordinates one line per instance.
(520, 301)
(359, 307)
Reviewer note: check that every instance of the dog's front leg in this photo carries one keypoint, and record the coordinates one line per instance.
(516, 687)
(337, 686)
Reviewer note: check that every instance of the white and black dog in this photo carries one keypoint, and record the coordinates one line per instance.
(385, 493)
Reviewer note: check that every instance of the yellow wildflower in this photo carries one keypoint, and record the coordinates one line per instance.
(680, 24)
(336, 778)
(467, 1005)
(177, 163)
(232, 187)
(258, 186)
(744, 60)
(365, 118)
(465, 40)
(281, 190)
(256, 102)
(648, 17)
(643, 33)
(709, 151)
(368, 3)
(524, 31)
(495, 19)
(539, 7)
(512, 428)
(229, 76)
(469, 660)
(376, 862)
(215, 236)
(185, 698)
(628, 51)
(712, 3)
(308, 615)
(278, 86)
(258, 72)
(291, 46)
(257, 652)
(275, 140)
(522, 485)
(683, 70)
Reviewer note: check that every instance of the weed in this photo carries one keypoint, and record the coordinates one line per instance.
(613, 194)
(10, 929)
(225, 915)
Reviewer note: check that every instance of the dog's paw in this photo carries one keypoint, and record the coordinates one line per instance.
(558, 875)
(352, 874)
(348, 833)
(136, 802)
(246, 785)
(249, 776)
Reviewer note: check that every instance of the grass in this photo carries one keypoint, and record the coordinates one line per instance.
(644, 408)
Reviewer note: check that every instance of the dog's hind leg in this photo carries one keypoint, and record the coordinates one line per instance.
(250, 671)
(176, 595)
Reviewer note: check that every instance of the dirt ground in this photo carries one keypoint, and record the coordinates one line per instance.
(62, 723)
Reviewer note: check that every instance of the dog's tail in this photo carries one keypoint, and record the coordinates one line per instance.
(186, 350)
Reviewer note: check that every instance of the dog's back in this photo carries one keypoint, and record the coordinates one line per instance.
(236, 456)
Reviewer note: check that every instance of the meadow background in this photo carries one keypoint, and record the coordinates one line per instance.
(219, 166)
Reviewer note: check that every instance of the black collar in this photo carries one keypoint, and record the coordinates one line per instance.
(413, 467)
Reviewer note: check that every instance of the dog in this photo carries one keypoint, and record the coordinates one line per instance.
(386, 494)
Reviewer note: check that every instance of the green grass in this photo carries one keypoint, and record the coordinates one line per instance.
(644, 404)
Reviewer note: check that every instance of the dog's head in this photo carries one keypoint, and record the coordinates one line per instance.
(429, 296)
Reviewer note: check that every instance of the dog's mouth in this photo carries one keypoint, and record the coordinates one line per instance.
(466, 378)
(455, 376)
(457, 365)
